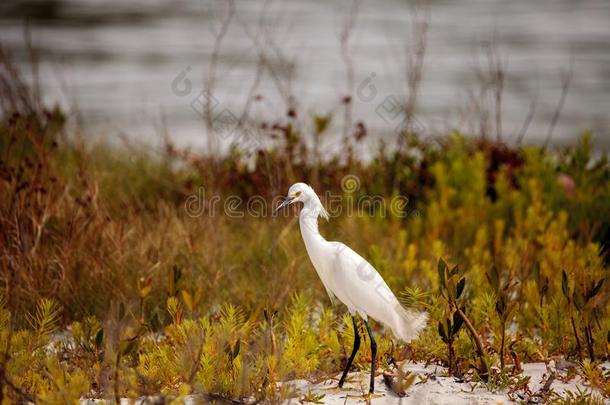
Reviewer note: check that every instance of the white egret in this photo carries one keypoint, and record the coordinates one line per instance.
(350, 278)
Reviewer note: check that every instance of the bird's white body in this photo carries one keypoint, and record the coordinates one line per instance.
(349, 277)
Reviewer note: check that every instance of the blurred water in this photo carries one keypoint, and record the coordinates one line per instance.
(117, 61)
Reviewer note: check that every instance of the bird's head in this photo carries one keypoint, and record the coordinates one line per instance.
(301, 192)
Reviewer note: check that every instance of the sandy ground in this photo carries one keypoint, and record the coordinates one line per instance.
(437, 389)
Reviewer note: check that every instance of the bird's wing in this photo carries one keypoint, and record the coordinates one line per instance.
(356, 282)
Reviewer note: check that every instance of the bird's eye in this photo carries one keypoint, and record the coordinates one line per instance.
(298, 193)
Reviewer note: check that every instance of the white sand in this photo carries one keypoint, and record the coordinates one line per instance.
(436, 390)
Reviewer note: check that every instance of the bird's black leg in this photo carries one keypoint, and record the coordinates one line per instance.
(374, 356)
(354, 351)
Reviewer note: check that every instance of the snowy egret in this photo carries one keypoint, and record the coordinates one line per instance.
(350, 278)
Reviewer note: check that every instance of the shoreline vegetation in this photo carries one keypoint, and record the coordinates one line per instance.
(112, 287)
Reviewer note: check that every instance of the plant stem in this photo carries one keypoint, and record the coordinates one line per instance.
(590, 343)
(477, 342)
(578, 347)
(117, 397)
(451, 355)
(502, 346)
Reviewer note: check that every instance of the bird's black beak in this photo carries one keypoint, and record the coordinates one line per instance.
(286, 202)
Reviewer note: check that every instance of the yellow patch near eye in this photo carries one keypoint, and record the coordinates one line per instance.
(298, 193)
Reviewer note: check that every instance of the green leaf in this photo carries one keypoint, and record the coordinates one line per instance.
(236, 349)
(442, 332)
(564, 285)
(458, 321)
(442, 273)
(99, 338)
(494, 278)
(595, 289)
(579, 301)
(460, 287)
(188, 299)
(500, 306)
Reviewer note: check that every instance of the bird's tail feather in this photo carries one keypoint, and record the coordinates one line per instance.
(407, 323)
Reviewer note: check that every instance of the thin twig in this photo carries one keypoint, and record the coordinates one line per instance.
(414, 66)
(255, 37)
(344, 38)
(211, 77)
(496, 73)
(566, 78)
(528, 120)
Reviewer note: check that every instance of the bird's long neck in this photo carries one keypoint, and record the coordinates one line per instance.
(308, 221)
(315, 244)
